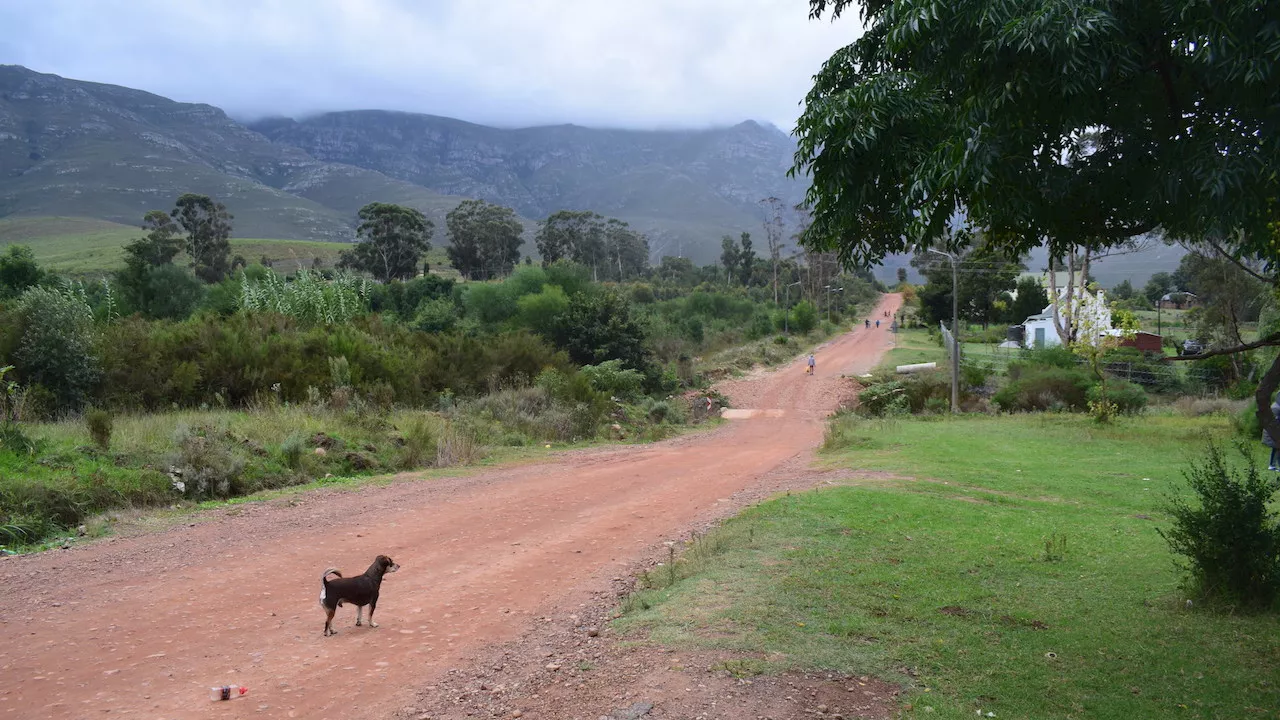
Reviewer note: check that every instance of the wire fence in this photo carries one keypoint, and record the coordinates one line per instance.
(1152, 375)
(949, 342)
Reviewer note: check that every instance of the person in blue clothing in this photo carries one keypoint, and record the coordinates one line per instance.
(1270, 442)
(812, 363)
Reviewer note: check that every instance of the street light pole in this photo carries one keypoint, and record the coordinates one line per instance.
(955, 330)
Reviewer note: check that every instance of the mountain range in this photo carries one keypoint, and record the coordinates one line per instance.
(84, 149)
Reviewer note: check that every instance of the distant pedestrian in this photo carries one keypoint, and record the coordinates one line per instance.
(812, 363)
(868, 322)
(877, 323)
(1267, 440)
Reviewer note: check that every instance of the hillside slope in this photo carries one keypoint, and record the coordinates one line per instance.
(684, 188)
(73, 148)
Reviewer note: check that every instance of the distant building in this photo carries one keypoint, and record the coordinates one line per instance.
(1178, 301)
(1039, 330)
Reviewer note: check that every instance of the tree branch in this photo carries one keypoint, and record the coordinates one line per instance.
(1271, 340)
(1218, 249)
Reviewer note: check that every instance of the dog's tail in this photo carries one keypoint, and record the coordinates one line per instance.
(324, 583)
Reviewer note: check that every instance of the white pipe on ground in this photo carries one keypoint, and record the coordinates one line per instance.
(916, 367)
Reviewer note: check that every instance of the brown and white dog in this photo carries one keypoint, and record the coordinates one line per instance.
(359, 591)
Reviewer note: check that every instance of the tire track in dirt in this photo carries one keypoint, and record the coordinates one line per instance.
(143, 626)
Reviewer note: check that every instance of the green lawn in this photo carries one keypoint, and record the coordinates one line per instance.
(997, 564)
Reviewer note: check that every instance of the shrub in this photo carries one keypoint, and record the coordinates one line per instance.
(420, 444)
(611, 378)
(291, 451)
(804, 317)
(1128, 398)
(888, 398)
(99, 424)
(1230, 540)
(1052, 356)
(975, 375)
(456, 448)
(1044, 388)
(204, 465)
(56, 349)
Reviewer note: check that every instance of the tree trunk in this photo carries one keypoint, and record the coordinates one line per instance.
(1264, 396)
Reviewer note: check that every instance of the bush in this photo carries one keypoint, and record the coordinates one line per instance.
(56, 349)
(888, 398)
(291, 451)
(204, 465)
(99, 424)
(1053, 356)
(1231, 540)
(804, 317)
(611, 378)
(420, 444)
(1128, 398)
(1044, 388)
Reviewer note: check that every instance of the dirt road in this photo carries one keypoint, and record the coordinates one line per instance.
(143, 626)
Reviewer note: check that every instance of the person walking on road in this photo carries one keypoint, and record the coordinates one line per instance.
(812, 364)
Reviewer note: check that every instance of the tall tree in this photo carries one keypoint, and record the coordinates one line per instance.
(1030, 298)
(159, 246)
(208, 227)
(626, 250)
(576, 235)
(1079, 123)
(729, 255)
(1123, 290)
(150, 283)
(773, 233)
(746, 258)
(485, 239)
(392, 239)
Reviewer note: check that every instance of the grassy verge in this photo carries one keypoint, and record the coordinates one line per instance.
(995, 564)
(60, 479)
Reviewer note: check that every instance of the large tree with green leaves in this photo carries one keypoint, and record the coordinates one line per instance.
(1080, 124)
(392, 239)
(18, 270)
(484, 239)
(626, 250)
(208, 227)
(573, 235)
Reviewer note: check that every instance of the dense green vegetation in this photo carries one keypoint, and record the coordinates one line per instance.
(1007, 565)
(270, 379)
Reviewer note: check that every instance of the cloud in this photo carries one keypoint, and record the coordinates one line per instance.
(617, 63)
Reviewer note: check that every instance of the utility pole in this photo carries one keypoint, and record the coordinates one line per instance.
(786, 313)
(955, 331)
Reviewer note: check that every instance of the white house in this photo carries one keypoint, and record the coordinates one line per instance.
(1092, 312)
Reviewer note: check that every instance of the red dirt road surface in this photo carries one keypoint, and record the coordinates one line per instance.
(143, 626)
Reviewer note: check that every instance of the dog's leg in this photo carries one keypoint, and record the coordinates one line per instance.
(360, 614)
(372, 606)
(328, 621)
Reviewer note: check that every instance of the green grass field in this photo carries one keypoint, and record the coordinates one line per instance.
(84, 246)
(1005, 565)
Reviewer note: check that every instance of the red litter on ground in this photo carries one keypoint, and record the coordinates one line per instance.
(226, 692)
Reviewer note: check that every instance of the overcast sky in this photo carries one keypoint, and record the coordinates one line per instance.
(617, 63)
